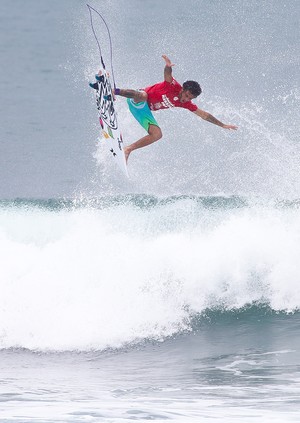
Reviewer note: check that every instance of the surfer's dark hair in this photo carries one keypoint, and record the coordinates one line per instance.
(193, 87)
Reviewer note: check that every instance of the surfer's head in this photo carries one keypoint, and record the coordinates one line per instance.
(190, 90)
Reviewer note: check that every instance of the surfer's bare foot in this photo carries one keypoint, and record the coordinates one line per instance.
(126, 152)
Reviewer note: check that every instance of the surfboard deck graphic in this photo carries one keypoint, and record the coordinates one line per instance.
(108, 119)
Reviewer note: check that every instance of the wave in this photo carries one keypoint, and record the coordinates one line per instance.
(97, 274)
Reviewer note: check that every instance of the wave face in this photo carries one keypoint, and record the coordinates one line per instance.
(114, 271)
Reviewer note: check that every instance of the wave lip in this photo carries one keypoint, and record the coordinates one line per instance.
(95, 277)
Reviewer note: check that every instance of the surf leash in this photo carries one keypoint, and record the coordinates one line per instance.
(91, 9)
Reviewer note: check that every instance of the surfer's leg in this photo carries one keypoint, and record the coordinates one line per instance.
(144, 116)
(136, 95)
(154, 134)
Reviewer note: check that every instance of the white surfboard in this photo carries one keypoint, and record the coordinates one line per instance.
(108, 120)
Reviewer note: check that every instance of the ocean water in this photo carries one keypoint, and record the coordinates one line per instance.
(140, 308)
(174, 295)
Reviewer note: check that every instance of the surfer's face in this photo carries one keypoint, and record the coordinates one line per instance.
(185, 95)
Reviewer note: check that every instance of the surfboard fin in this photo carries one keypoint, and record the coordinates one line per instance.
(94, 85)
(99, 78)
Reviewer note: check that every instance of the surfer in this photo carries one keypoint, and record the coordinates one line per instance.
(164, 95)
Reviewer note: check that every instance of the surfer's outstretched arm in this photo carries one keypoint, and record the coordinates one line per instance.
(210, 118)
(168, 69)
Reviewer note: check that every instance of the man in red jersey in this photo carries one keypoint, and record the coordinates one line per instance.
(164, 95)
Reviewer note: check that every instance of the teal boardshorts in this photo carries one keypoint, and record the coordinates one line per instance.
(142, 113)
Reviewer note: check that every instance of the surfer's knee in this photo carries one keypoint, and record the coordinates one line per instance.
(155, 132)
(139, 96)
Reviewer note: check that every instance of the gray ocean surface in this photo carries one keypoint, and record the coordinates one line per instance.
(174, 295)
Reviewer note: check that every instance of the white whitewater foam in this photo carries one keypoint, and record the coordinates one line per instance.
(90, 278)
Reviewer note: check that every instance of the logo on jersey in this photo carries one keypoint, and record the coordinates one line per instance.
(166, 102)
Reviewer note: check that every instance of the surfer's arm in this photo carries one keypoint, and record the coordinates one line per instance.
(168, 69)
(210, 118)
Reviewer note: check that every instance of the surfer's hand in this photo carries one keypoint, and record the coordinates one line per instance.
(167, 60)
(233, 127)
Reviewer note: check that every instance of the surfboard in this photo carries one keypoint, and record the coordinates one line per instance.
(108, 119)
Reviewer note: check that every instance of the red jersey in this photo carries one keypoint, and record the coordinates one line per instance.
(165, 95)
